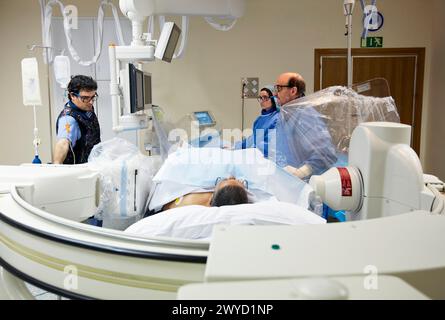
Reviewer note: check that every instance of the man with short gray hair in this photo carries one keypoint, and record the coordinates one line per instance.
(303, 143)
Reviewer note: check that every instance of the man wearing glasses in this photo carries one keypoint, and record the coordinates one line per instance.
(303, 143)
(77, 126)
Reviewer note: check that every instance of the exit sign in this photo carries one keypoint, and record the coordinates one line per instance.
(372, 42)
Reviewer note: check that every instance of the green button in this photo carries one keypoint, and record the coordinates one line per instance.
(276, 247)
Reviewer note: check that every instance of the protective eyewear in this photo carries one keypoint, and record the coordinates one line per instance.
(242, 181)
(86, 99)
(279, 87)
(263, 98)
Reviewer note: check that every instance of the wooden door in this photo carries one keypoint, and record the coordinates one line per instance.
(403, 68)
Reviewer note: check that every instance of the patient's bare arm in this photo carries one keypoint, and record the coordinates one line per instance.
(202, 199)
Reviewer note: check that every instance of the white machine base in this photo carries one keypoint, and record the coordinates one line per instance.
(405, 246)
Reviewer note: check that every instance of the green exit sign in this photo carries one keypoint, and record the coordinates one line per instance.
(372, 42)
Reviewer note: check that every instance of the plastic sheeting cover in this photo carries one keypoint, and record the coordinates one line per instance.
(125, 181)
(316, 129)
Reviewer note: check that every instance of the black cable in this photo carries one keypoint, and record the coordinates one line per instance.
(243, 96)
(135, 181)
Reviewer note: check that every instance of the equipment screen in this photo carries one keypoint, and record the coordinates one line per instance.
(147, 89)
(171, 44)
(136, 77)
(204, 118)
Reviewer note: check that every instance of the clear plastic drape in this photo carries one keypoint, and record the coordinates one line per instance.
(312, 134)
(315, 130)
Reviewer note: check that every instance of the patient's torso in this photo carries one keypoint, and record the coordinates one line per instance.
(202, 199)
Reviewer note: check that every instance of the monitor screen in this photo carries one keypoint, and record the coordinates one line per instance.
(168, 40)
(137, 89)
(171, 44)
(147, 89)
(204, 118)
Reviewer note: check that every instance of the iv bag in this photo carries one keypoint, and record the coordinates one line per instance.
(62, 70)
(30, 82)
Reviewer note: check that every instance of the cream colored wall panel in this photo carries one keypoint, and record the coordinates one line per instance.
(271, 38)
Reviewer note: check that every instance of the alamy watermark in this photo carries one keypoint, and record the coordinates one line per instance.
(71, 17)
(371, 281)
(71, 280)
(224, 143)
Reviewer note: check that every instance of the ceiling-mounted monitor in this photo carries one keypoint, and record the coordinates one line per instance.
(136, 87)
(147, 90)
(168, 40)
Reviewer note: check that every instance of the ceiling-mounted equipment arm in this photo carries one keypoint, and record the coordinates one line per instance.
(138, 10)
(144, 48)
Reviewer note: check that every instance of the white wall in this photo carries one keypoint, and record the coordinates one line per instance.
(20, 26)
(271, 38)
(435, 129)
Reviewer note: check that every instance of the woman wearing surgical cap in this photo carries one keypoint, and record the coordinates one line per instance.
(263, 124)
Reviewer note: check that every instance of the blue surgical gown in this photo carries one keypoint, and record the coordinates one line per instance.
(262, 125)
(302, 137)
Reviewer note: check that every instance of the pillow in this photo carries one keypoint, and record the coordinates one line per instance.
(197, 222)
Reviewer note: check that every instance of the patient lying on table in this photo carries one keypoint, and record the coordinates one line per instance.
(200, 188)
(217, 177)
(228, 191)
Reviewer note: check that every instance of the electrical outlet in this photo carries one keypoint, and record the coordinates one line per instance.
(250, 88)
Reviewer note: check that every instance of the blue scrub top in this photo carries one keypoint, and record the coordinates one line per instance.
(303, 138)
(261, 126)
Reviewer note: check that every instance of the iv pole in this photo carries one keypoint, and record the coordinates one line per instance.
(37, 141)
(348, 9)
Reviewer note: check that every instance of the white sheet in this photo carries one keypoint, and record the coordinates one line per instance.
(198, 168)
(197, 222)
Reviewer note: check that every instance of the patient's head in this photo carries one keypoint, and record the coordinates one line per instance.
(229, 192)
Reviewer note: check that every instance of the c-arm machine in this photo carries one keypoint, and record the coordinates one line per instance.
(384, 176)
(401, 252)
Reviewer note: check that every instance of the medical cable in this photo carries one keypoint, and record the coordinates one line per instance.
(67, 28)
(367, 17)
(134, 192)
(184, 30)
(243, 97)
(437, 197)
(219, 26)
(47, 54)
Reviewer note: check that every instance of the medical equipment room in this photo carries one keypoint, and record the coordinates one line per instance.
(222, 150)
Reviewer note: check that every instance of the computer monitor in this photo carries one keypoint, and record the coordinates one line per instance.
(204, 118)
(168, 40)
(147, 90)
(136, 82)
(138, 89)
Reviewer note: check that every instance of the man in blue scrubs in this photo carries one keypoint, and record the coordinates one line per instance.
(77, 126)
